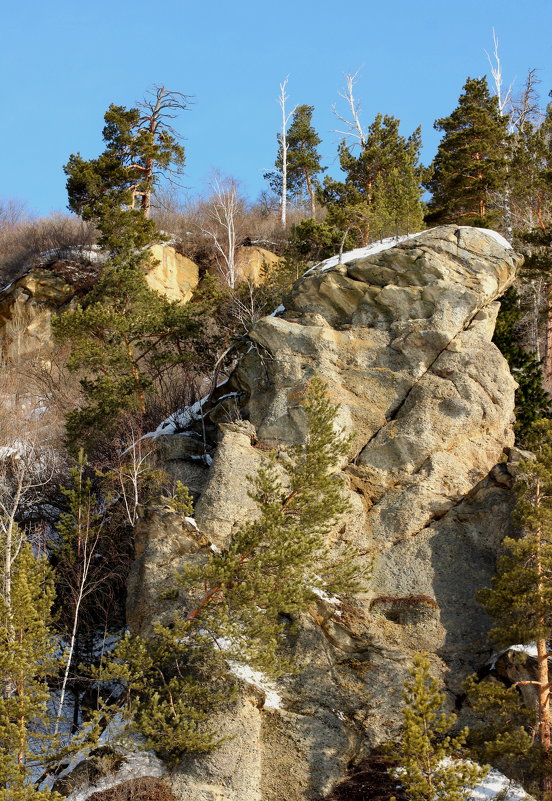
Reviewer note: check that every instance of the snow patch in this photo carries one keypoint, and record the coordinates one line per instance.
(497, 784)
(530, 649)
(257, 678)
(273, 699)
(135, 766)
(330, 599)
(494, 235)
(361, 253)
(191, 522)
(280, 310)
(387, 244)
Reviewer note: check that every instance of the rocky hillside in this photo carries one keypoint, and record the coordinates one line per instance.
(403, 338)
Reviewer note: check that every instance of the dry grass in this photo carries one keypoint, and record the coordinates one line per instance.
(22, 238)
(147, 788)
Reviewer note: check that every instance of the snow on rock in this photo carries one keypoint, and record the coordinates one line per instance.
(191, 521)
(256, 678)
(280, 310)
(496, 785)
(183, 418)
(385, 244)
(330, 599)
(361, 253)
(273, 699)
(495, 235)
(179, 420)
(530, 649)
(135, 766)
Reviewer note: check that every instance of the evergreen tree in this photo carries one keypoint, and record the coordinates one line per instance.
(471, 159)
(381, 193)
(303, 159)
(27, 661)
(430, 760)
(238, 605)
(530, 162)
(114, 190)
(532, 402)
(123, 337)
(520, 599)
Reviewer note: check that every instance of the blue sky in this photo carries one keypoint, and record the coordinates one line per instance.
(62, 63)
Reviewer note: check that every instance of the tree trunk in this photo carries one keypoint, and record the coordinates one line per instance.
(311, 194)
(548, 343)
(543, 686)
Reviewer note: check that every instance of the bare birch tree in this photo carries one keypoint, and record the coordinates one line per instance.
(223, 211)
(353, 125)
(504, 99)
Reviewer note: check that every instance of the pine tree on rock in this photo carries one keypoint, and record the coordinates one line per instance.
(124, 336)
(431, 765)
(532, 402)
(239, 603)
(471, 160)
(303, 159)
(381, 193)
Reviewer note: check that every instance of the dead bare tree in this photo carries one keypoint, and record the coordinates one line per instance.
(282, 99)
(163, 154)
(353, 126)
(222, 213)
(504, 97)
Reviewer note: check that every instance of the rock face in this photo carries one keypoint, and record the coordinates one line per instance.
(403, 339)
(251, 261)
(57, 277)
(175, 276)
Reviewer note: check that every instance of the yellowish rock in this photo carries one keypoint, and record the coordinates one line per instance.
(251, 261)
(174, 275)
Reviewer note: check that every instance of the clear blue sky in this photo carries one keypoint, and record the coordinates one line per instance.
(62, 63)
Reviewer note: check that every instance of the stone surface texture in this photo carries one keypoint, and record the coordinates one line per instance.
(174, 275)
(252, 261)
(403, 339)
(56, 278)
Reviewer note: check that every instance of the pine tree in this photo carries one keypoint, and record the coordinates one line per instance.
(471, 159)
(430, 760)
(520, 599)
(27, 661)
(123, 337)
(303, 159)
(115, 189)
(532, 402)
(381, 193)
(238, 605)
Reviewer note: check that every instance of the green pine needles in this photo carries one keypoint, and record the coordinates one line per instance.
(241, 603)
(431, 767)
(27, 661)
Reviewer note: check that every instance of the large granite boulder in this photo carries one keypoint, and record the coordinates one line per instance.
(403, 338)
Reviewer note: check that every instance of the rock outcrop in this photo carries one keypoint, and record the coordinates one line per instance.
(252, 262)
(403, 338)
(174, 275)
(55, 278)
